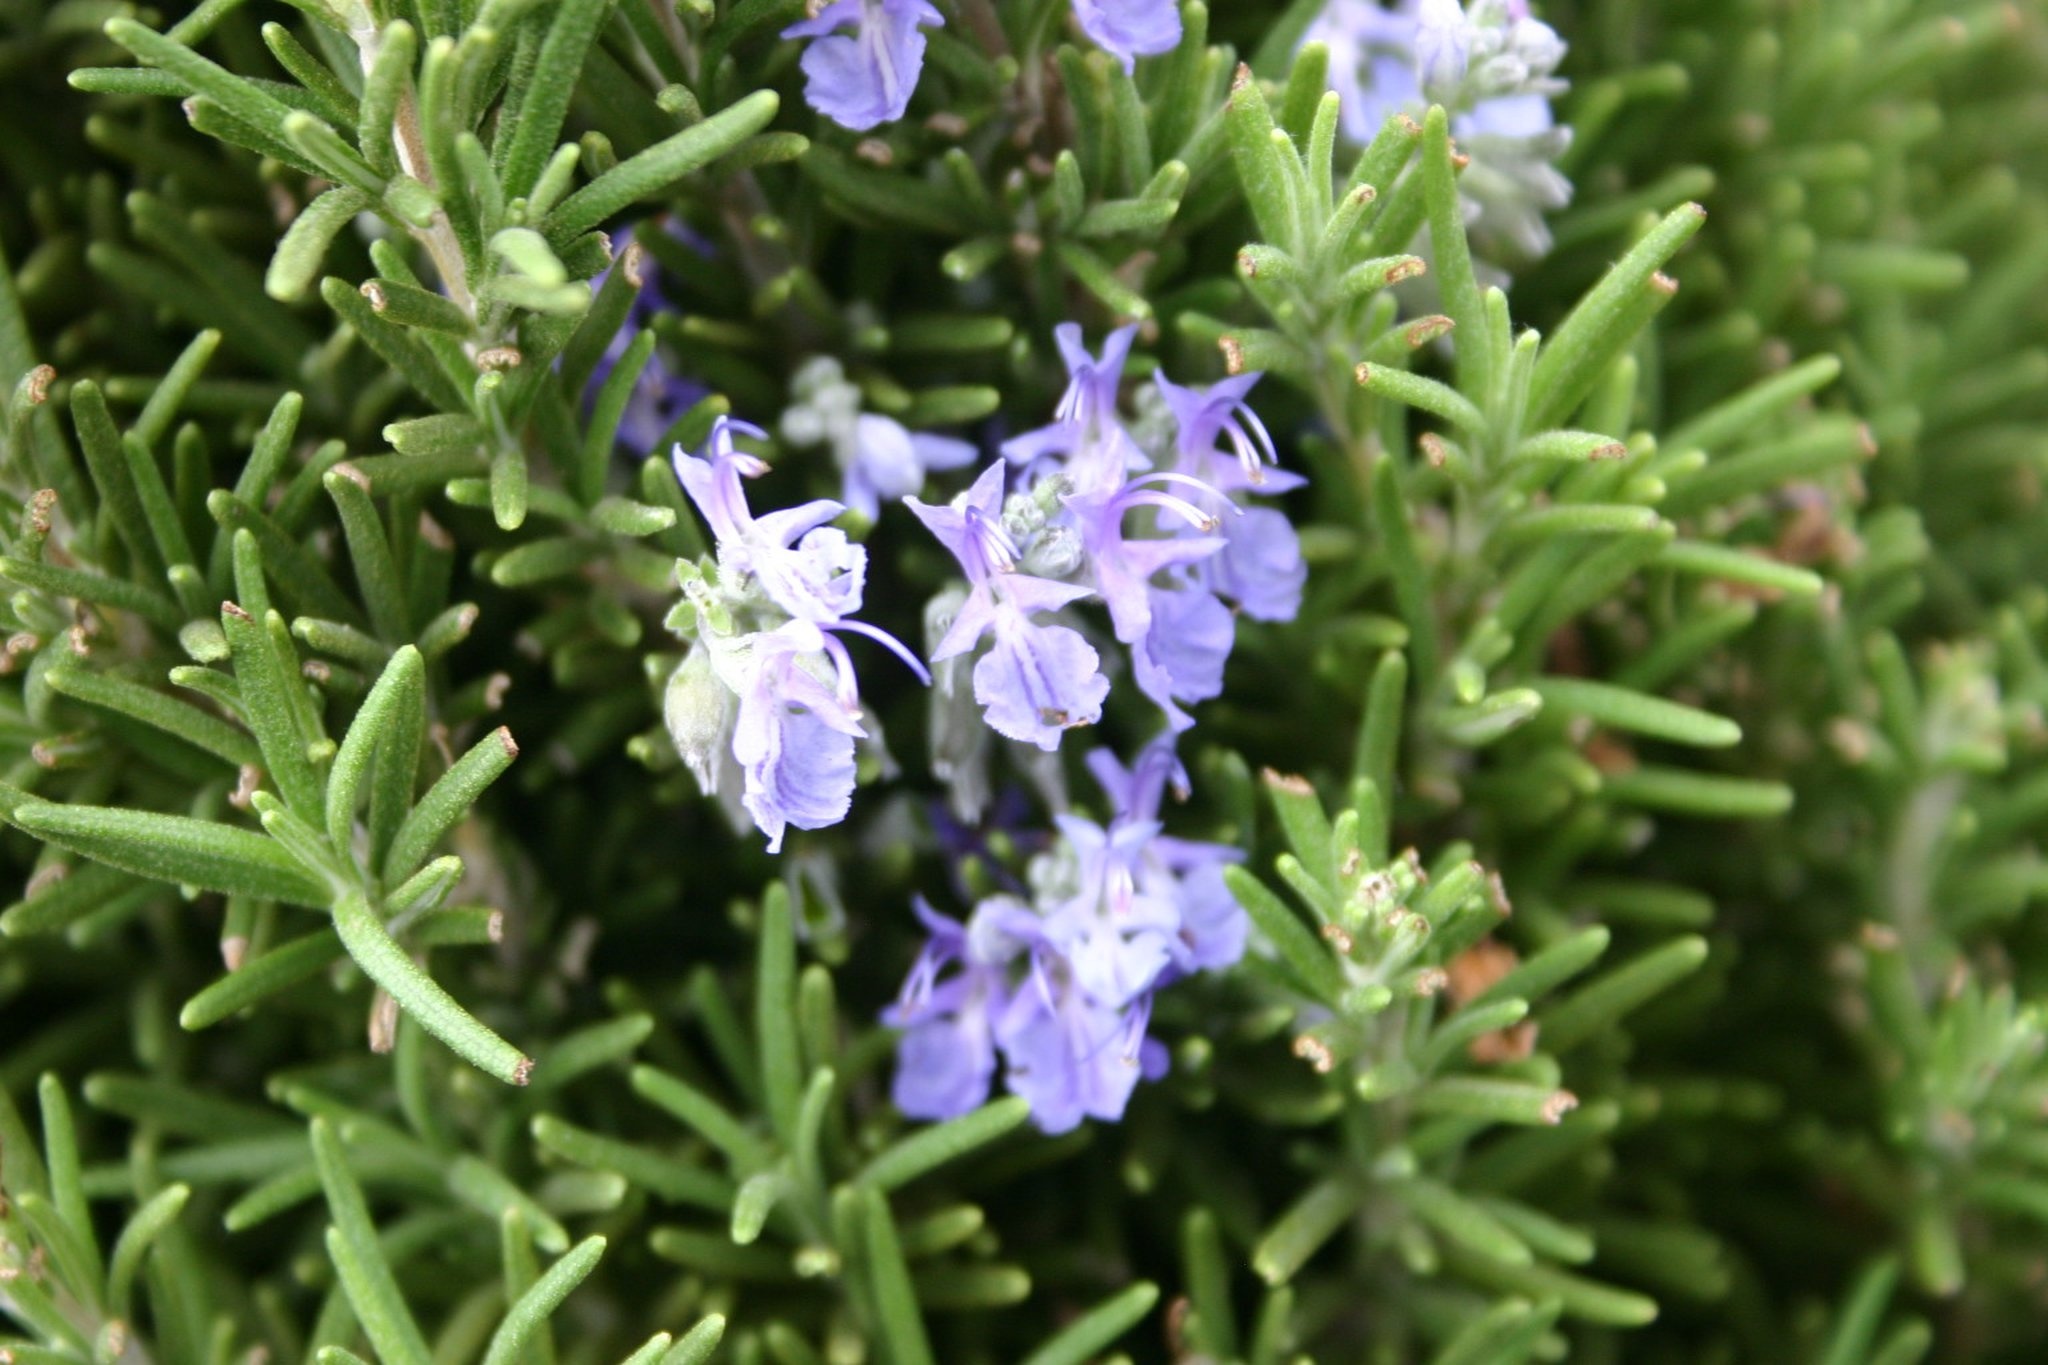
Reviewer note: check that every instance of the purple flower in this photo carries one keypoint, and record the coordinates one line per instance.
(947, 1057)
(798, 716)
(1115, 930)
(1372, 63)
(1124, 568)
(1443, 42)
(866, 77)
(807, 569)
(1062, 988)
(1187, 872)
(1490, 65)
(1084, 425)
(1069, 1055)
(1260, 566)
(1181, 657)
(1129, 29)
(1036, 681)
(794, 739)
(889, 461)
(766, 630)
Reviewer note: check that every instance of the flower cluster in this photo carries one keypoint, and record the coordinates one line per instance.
(1150, 517)
(1490, 65)
(765, 708)
(1160, 538)
(865, 56)
(1060, 982)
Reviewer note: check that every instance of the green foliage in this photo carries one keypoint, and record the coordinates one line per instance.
(1644, 865)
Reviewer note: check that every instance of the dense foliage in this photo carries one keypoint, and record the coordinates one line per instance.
(1417, 728)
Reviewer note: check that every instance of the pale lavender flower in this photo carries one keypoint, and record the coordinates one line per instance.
(881, 459)
(1130, 29)
(888, 461)
(1491, 66)
(766, 631)
(1114, 929)
(1037, 680)
(1062, 988)
(1084, 427)
(946, 1059)
(1071, 1056)
(804, 567)
(794, 737)
(866, 77)
(1124, 567)
(1188, 872)
(1260, 567)
(1181, 656)
(1372, 63)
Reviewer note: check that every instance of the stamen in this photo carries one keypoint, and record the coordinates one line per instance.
(887, 641)
(1194, 515)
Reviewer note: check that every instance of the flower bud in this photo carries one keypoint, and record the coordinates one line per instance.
(698, 711)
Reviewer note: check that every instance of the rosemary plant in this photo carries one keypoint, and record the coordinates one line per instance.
(1021, 682)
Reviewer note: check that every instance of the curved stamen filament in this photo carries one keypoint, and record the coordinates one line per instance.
(883, 638)
(1181, 507)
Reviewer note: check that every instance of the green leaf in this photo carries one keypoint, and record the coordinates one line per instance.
(154, 708)
(1456, 283)
(258, 979)
(1600, 327)
(80, 585)
(775, 1012)
(525, 1317)
(67, 1190)
(386, 81)
(400, 689)
(660, 166)
(1496, 1101)
(1307, 1224)
(100, 442)
(1620, 708)
(1261, 163)
(901, 1323)
(1095, 1330)
(1505, 1334)
(265, 681)
(698, 1344)
(1426, 394)
(1578, 1297)
(56, 902)
(148, 1224)
(926, 1150)
(175, 848)
(1305, 823)
(391, 967)
(359, 1260)
(1711, 795)
(534, 132)
(232, 93)
(447, 801)
(304, 246)
(1461, 1220)
(1311, 963)
(1604, 1000)
(703, 1114)
(666, 1177)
